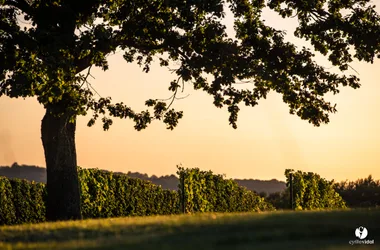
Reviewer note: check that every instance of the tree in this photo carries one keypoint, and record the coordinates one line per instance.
(280, 200)
(52, 58)
(360, 193)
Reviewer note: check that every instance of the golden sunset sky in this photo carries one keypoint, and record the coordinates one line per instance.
(268, 139)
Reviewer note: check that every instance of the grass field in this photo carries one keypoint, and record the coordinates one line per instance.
(330, 230)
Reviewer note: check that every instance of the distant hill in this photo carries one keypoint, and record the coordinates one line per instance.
(259, 186)
(38, 174)
(30, 173)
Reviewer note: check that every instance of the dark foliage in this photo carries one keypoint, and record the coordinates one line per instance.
(360, 193)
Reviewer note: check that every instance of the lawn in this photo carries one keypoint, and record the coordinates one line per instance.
(329, 230)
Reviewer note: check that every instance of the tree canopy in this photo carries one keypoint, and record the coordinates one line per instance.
(51, 58)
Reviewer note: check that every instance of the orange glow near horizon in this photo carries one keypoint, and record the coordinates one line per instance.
(268, 139)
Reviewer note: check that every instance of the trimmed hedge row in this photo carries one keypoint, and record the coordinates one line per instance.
(104, 195)
(312, 192)
(202, 191)
(21, 201)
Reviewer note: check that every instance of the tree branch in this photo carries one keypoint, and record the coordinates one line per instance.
(21, 5)
(85, 62)
(18, 36)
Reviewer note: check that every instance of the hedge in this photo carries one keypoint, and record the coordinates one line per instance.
(202, 191)
(311, 192)
(21, 201)
(105, 194)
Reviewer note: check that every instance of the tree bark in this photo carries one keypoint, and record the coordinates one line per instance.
(63, 192)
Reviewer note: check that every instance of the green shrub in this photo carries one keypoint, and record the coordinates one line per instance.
(202, 191)
(7, 209)
(21, 201)
(105, 195)
(38, 202)
(312, 192)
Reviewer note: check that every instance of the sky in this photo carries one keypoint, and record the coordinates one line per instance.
(268, 139)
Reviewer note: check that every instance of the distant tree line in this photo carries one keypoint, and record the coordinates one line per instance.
(27, 172)
(361, 193)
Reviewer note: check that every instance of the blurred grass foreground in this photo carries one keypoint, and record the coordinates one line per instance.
(330, 230)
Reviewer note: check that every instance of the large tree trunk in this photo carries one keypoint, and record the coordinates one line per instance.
(58, 139)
